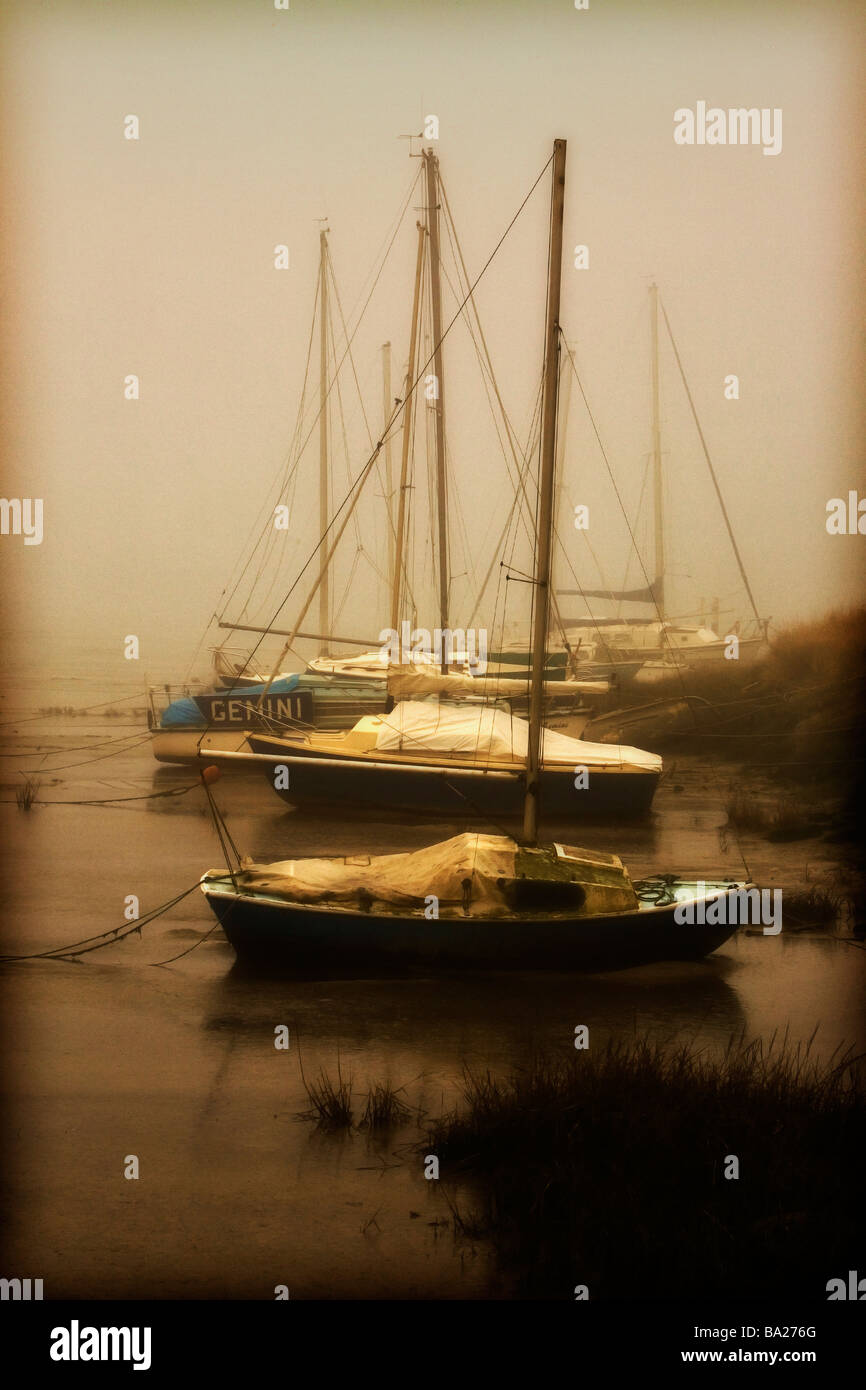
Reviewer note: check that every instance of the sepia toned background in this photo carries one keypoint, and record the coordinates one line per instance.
(156, 257)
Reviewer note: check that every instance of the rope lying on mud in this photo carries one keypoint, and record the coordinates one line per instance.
(70, 710)
(108, 938)
(85, 762)
(110, 800)
(189, 949)
(79, 748)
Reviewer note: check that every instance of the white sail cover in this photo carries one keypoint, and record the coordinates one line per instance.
(421, 726)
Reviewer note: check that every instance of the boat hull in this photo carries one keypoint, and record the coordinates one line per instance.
(464, 792)
(304, 939)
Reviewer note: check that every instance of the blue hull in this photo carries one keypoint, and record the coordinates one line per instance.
(329, 942)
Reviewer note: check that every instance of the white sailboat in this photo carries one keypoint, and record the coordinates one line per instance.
(664, 642)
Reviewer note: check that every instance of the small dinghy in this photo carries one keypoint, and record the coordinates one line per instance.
(473, 901)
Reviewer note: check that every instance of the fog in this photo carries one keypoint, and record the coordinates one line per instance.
(155, 257)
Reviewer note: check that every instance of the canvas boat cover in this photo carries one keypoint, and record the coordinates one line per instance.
(489, 864)
(482, 732)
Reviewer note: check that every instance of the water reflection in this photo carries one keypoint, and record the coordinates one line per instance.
(437, 1025)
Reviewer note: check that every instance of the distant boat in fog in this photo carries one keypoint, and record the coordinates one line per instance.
(664, 643)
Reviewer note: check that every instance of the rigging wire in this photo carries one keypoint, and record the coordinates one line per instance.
(358, 324)
(724, 509)
(400, 406)
(283, 476)
(677, 669)
(387, 244)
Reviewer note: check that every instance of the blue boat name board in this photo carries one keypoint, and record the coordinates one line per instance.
(239, 712)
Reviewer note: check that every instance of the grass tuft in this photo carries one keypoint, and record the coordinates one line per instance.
(26, 795)
(330, 1101)
(384, 1108)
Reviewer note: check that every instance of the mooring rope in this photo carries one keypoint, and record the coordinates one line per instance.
(106, 938)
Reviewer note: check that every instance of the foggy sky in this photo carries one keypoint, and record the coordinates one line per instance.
(155, 257)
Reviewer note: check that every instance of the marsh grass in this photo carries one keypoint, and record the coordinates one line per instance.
(780, 818)
(330, 1101)
(384, 1108)
(815, 905)
(797, 709)
(26, 795)
(608, 1168)
(331, 1104)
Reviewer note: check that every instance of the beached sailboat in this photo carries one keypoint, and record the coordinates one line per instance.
(475, 900)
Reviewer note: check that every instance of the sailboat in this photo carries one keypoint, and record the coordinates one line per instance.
(663, 642)
(476, 900)
(461, 754)
(337, 691)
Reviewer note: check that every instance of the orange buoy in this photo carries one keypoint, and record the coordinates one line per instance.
(210, 774)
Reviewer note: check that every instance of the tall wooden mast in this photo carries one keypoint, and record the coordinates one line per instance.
(324, 583)
(389, 472)
(432, 167)
(659, 584)
(408, 412)
(565, 376)
(545, 499)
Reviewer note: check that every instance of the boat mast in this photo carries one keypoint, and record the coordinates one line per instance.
(324, 595)
(432, 166)
(659, 585)
(565, 375)
(545, 499)
(408, 408)
(389, 478)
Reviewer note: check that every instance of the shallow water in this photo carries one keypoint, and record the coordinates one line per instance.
(176, 1064)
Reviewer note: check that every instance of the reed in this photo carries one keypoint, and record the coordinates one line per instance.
(384, 1109)
(330, 1101)
(609, 1169)
(26, 795)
